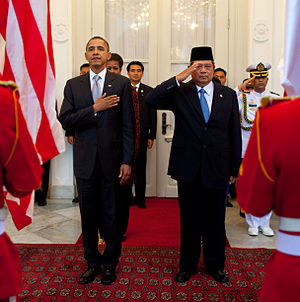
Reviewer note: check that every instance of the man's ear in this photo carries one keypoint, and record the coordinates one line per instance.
(109, 56)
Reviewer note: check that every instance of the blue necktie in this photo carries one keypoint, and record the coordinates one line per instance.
(204, 105)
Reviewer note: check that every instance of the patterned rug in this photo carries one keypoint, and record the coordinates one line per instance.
(50, 273)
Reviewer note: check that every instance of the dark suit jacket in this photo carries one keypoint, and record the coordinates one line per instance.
(110, 132)
(211, 149)
(148, 118)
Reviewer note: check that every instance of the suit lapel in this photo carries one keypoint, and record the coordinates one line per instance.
(141, 91)
(191, 95)
(86, 87)
(217, 100)
(108, 83)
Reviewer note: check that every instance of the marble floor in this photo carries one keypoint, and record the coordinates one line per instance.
(59, 222)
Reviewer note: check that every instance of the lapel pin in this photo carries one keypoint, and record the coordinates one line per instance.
(142, 91)
(221, 95)
(109, 85)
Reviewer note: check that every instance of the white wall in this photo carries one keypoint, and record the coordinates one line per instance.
(256, 34)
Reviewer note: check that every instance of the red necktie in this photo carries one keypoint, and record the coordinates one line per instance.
(136, 106)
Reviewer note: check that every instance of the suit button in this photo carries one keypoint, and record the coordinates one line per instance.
(204, 146)
(205, 128)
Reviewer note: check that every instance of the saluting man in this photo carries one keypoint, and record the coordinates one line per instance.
(248, 105)
(205, 157)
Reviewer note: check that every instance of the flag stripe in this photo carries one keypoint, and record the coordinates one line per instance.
(3, 16)
(26, 33)
(49, 39)
(34, 50)
(38, 71)
(15, 52)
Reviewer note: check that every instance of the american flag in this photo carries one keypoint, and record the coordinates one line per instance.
(26, 57)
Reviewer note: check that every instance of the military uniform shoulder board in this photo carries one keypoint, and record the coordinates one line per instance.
(272, 92)
(8, 84)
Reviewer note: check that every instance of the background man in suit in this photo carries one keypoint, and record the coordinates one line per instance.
(145, 129)
(220, 74)
(98, 106)
(205, 157)
(84, 68)
(115, 63)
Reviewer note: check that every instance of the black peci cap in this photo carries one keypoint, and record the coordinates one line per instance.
(201, 53)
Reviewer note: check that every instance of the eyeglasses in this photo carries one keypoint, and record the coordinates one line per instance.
(205, 66)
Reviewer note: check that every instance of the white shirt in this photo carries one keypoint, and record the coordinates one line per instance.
(101, 81)
(253, 102)
(137, 86)
(209, 92)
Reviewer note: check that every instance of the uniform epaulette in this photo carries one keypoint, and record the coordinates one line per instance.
(269, 101)
(8, 84)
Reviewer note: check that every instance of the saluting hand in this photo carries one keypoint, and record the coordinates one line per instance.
(244, 84)
(105, 102)
(187, 72)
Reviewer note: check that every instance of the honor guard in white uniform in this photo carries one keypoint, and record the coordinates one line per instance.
(248, 104)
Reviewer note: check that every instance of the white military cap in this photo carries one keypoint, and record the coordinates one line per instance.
(259, 70)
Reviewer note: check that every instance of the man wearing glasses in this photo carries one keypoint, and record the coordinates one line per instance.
(205, 157)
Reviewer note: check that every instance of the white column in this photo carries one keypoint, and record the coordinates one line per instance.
(82, 31)
(61, 177)
(238, 47)
(266, 36)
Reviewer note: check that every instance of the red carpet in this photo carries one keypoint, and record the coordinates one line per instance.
(50, 273)
(157, 225)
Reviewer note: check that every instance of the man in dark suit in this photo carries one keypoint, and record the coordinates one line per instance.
(98, 106)
(204, 158)
(145, 129)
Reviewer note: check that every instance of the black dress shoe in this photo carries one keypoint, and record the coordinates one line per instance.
(42, 203)
(109, 275)
(229, 204)
(89, 275)
(219, 276)
(75, 200)
(141, 205)
(182, 277)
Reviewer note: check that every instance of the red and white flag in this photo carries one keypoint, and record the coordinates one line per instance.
(291, 62)
(26, 57)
